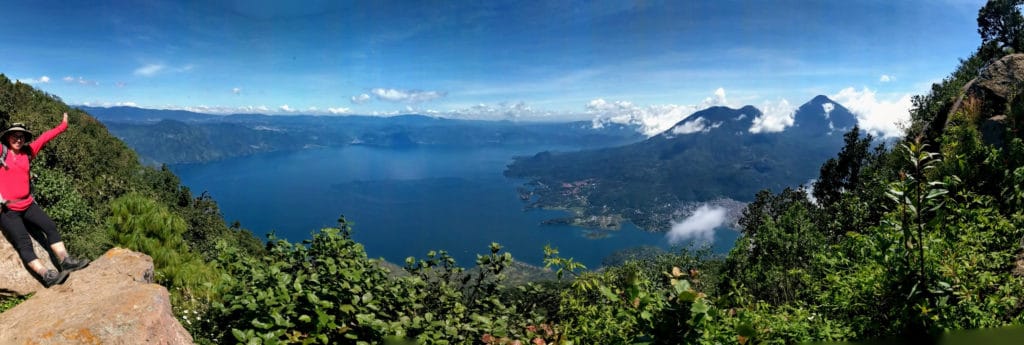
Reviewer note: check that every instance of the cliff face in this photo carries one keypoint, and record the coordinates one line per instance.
(113, 301)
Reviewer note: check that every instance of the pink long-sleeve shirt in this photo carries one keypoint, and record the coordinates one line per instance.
(14, 179)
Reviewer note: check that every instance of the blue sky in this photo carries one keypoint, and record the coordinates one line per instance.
(648, 62)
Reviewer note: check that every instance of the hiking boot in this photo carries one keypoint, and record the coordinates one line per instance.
(52, 277)
(70, 263)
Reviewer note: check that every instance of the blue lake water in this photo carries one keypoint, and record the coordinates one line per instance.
(404, 202)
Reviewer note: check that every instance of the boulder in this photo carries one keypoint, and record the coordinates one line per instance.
(997, 83)
(1001, 80)
(113, 301)
(15, 277)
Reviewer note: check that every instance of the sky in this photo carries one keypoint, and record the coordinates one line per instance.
(649, 63)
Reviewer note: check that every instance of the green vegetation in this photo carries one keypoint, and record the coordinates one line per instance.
(94, 188)
(909, 241)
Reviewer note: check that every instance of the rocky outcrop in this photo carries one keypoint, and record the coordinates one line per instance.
(998, 83)
(15, 278)
(113, 301)
(1001, 80)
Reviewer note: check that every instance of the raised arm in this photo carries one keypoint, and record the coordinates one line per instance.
(44, 138)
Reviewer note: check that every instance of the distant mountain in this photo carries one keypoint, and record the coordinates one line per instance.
(141, 115)
(709, 155)
(165, 136)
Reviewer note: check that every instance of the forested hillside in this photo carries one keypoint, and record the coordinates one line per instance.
(94, 188)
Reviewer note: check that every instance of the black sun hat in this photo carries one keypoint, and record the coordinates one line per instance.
(17, 127)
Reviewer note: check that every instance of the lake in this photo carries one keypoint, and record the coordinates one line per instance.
(405, 202)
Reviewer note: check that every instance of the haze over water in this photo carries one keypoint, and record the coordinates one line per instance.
(404, 202)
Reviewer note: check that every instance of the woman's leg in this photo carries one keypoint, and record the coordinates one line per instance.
(36, 216)
(12, 223)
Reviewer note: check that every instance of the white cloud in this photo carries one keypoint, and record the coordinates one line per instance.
(828, 108)
(885, 78)
(650, 120)
(339, 110)
(221, 110)
(698, 125)
(700, 226)
(718, 100)
(360, 99)
(156, 68)
(120, 84)
(42, 80)
(512, 111)
(406, 96)
(236, 90)
(110, 104)
(775, 117)
(880, 117)
(691, 127)
(149, 70)
(80, 81)
(809, 189)
(287, 109)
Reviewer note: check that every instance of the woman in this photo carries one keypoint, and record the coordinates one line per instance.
(20, 209)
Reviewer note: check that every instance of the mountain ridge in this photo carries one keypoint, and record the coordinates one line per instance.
(197, 138)
(715, 156)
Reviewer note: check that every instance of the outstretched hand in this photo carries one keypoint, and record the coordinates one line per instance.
(65, 118)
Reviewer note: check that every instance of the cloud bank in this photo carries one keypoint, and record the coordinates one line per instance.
(360, 99)
(42, 80)
(775, 117)
(699, 227)
(339, 110)
(406, 96)
(699, 125)
(650, 120)
(512, 111)
(879, 117)
(80, 81)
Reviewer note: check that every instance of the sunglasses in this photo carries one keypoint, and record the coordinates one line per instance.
(19, 136)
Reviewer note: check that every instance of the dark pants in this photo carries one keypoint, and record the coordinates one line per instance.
(15, 222)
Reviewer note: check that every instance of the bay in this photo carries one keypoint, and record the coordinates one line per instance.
(405, 202)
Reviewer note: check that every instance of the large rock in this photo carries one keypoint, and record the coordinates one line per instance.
(997, 83)
(1001, 80)
(15, 278)
(113, 301)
